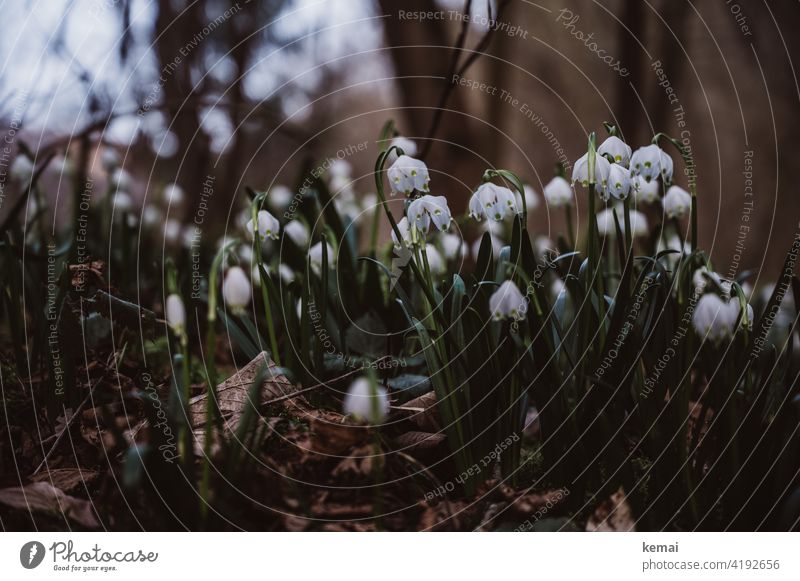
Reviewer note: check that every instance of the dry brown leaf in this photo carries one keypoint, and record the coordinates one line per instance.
(422, 412)
(43, 497)
(360, 463)
(329, 435)
(411, 442)
(233, 397)
(612, 515)
(66, 479)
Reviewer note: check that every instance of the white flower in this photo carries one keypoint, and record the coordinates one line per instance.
(543, 245)
(268, 226)
(21, 169)
(531, 198)
(580, 173)
(109, 159)
(151, 215)
(619, 151)
(645, 192)
(369, 203)
(426, 209)
(286, 273)
(340, 168)
(408, 174)
(315, 256)
(172, 231)
(558, 193)
(121, 179)
(405, 232)
(701, 276)
(236, 289)
(606, 226)
(297, 233)
(677, 203)
(246, 254)
(619, 182)
(173, 195)
(279, 197)
(493, 202)
(342, 187)
(61, 166)
(716, 319)
(175, 312)
(366, 401)
(123, 202)
(507, 302)
(453, 246)
(435, 261)
(651, 162)
(408, 147)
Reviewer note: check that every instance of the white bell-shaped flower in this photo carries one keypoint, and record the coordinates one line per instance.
(716, 319)
(651, 162)
(173, 195)
(172, 232)
(236, 289)
(677, 202)
(645, 192)
(507, 302)
(340, 168)
(279, 197)
(427, 209)
(405, 232)
(21, 169)
(619, 151)
(109, 159)
(366, 401)
(493, 202)
(619, 182)
(297, 233)
(121, 179)
(409, 148)
(175, 312)
(122, 202)
(268, 226)
(558, 193)
(602, 168)
(453, 246)
(151, 215)
(408, 174)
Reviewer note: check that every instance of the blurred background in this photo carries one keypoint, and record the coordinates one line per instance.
(252, 92)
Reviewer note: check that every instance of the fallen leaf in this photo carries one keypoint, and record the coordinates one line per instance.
(612, 515)
(422, 412)
(66, 479)
(411, 442)
(45, 498)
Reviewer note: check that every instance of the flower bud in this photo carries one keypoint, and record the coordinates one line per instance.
(175, 312)
(366, 401)
(236, 289)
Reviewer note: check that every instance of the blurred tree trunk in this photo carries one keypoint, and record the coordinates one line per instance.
(172, 31)
(627, 109)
